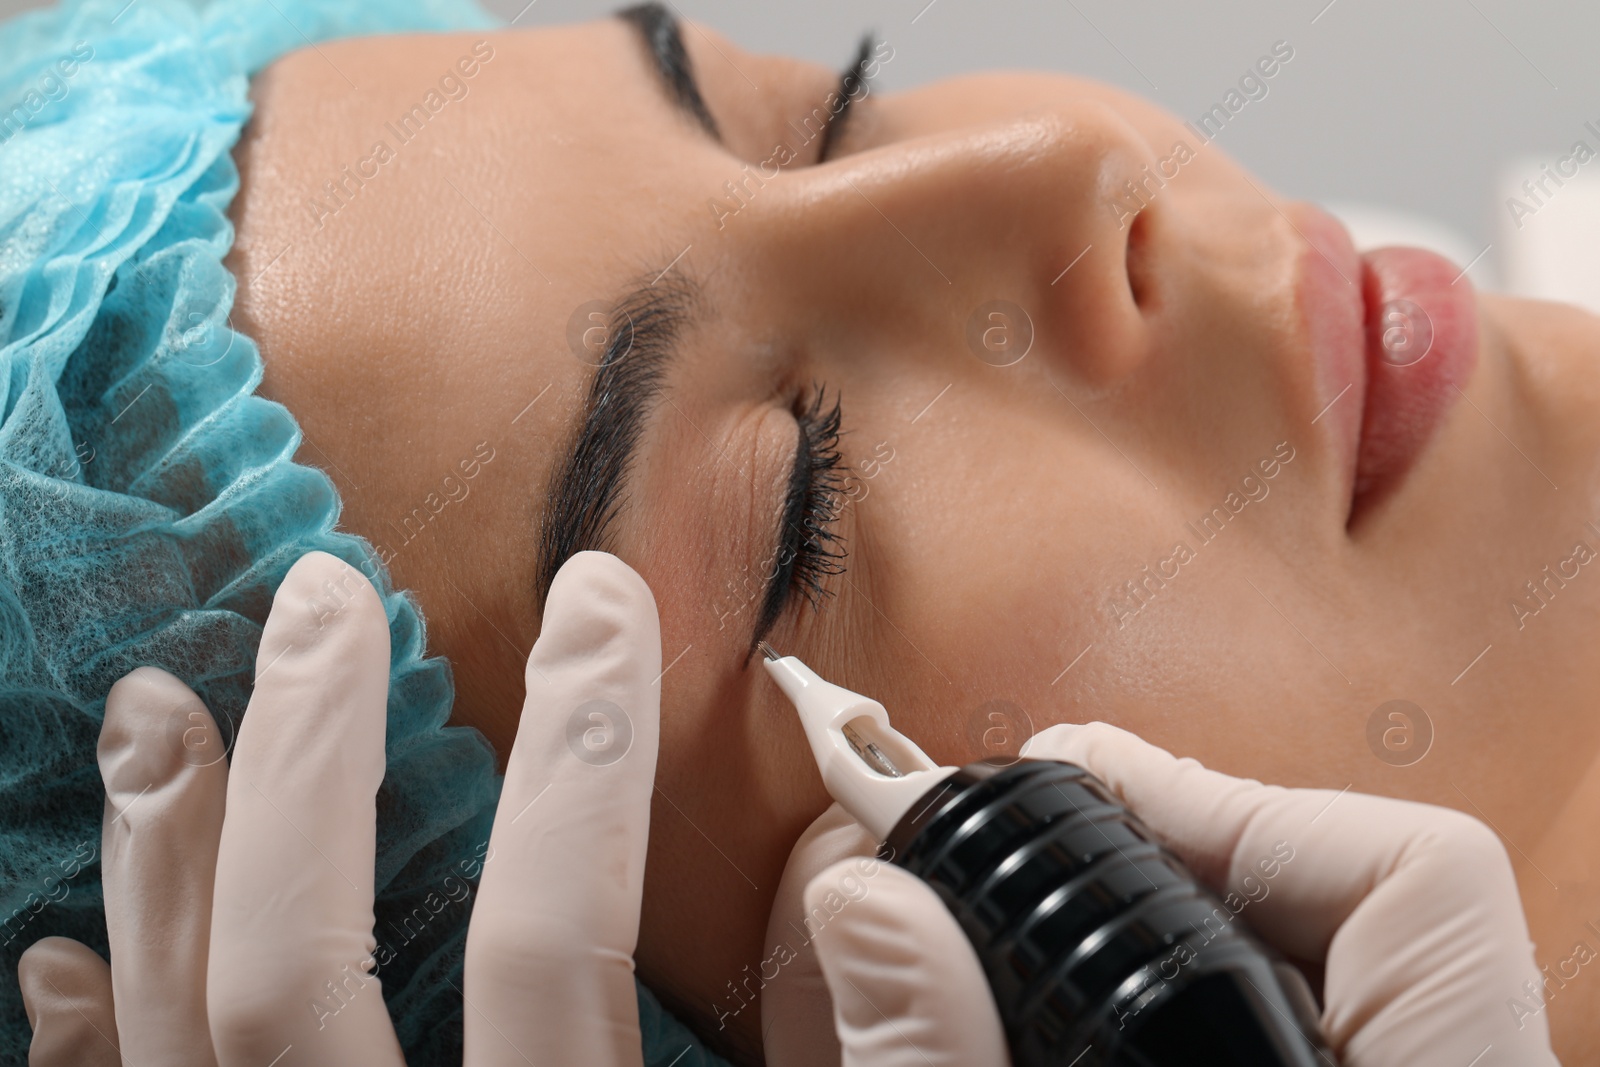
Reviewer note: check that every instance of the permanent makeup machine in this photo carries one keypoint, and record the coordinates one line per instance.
(1100, 946)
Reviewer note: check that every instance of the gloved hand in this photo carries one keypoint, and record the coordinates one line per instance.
(229, 922)
(1411, 909)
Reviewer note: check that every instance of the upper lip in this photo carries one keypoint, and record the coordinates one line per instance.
(1328, 291)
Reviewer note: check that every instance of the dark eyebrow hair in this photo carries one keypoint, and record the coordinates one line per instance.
(585, 491)
(852, 80)
(663, 39)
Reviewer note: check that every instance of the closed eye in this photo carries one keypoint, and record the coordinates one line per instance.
(809, 547)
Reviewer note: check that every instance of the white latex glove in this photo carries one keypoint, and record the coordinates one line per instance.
(1412, 910)
(229, 976)
(880, 962)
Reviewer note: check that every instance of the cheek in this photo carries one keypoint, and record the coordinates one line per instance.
(1187, 670)
(1050, 583)
(1247, 665)
(998, 577)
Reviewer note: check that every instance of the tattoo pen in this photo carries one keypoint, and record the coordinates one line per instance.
(1101, 948)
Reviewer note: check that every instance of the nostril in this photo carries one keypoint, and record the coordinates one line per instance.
(1136, 257)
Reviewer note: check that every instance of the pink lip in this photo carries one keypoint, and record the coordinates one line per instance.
(1395, 334)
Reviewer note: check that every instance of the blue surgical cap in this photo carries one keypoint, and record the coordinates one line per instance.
(149, 500)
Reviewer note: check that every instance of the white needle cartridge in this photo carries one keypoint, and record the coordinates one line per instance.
(871, 769)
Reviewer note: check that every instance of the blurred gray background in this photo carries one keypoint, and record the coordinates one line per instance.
(1424, 106)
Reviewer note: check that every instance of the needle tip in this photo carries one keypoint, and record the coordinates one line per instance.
(768, 651)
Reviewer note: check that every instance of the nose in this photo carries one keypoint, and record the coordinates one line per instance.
(1021, 236)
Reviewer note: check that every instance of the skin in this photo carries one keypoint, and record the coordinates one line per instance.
(421, 319)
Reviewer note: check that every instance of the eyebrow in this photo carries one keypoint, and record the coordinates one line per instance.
(662, 37)
(852, 79)
(585, 493)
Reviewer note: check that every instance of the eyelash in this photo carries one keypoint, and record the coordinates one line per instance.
(810, 549)
(820, 552)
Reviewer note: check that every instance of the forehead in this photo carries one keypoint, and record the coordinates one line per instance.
(578, 113)
(535, 170)
(422, 213)
(557, 146)
(417, 221)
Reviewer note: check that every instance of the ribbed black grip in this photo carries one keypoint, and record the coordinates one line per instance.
(1101, 947)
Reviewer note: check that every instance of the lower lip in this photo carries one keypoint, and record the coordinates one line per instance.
(1421, 347)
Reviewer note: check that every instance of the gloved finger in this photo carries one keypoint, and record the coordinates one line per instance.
(291, 926)
(66, 992)
(549, 962)
(166, 776)
(908, 990)
(796, 1008)
(1414, 908)
(1310, 855)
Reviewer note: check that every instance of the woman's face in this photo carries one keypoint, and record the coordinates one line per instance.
(1097, 455)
